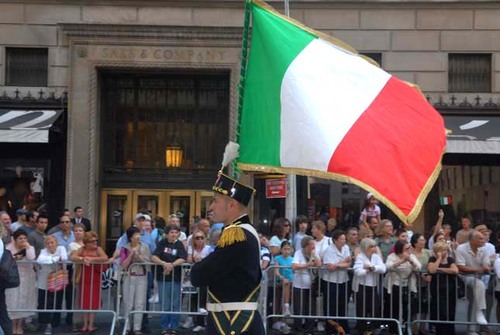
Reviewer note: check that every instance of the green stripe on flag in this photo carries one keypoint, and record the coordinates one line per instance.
(275, 44)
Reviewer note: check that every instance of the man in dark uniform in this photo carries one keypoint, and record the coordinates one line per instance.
(232, 272)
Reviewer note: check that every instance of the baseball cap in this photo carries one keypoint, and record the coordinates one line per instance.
(21, 211)
(141, 216)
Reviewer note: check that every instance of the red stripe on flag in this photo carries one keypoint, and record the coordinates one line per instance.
(394, 146)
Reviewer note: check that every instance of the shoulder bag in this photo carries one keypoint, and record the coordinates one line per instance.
(9, 274)
(58, 280)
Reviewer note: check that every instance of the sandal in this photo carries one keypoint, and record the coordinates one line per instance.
(166, 332)
(83, 330)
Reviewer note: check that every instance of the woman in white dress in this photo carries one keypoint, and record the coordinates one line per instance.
(24, 296)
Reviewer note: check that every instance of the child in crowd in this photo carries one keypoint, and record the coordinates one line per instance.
(284, 274)
(370, 208)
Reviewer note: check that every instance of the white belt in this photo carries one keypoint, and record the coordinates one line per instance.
(232, 306)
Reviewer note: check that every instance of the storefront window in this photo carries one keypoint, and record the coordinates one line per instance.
(473, 191)
(144, 116)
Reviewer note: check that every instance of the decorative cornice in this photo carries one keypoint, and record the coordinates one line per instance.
(41, 99)
(177, 33)
(452, 105)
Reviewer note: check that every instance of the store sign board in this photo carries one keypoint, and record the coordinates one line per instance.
(275, 188)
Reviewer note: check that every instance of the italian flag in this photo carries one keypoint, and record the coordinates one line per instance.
(446, 200)
(311, 105)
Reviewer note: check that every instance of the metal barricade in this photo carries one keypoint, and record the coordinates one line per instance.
(177, 297)
(64, 287)
(446, 302)
(331, 299)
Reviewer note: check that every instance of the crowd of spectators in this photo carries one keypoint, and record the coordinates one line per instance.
(318, 270)
(63, 270)
(394, 274)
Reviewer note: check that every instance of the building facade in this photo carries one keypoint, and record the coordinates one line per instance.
(148, 92)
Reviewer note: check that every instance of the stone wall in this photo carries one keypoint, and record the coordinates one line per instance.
(414, 38)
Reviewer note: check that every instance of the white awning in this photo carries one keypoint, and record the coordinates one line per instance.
(473, 134)
(26, 126)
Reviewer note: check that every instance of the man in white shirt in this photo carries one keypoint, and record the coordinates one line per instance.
(474, 261)
(490, 251)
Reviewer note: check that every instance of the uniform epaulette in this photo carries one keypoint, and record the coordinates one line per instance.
(231, 234)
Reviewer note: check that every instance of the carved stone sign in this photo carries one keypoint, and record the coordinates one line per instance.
(163, 54)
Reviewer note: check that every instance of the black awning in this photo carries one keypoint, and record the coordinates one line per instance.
(473, 134)
(26, 126)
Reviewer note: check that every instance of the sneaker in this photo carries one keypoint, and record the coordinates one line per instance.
(480, 318)
(285, 329)
(203, 311)
(278, 325)
(154, 299)
(198, 329)
(188, 323)
(321, 326)
(48, 331)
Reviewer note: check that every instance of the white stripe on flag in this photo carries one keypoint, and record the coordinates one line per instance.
(324, 91)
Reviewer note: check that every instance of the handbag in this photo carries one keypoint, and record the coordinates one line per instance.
(78, 274)
(9, 274)
(57, 280)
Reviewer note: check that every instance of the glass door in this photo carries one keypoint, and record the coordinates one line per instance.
(182, 204)
(148, 201)
(116, 213)
(203, 201)
(119, 207)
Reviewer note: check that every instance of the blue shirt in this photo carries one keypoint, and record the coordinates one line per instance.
(287, 263)
(63, 240)
(145, 238)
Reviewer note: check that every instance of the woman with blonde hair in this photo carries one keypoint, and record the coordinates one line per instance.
(50, 259)
(92, 256)
(443, 270)
(303, 262)
(79, 232)
(322, 242)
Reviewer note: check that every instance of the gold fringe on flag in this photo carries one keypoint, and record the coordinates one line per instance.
(230, 235)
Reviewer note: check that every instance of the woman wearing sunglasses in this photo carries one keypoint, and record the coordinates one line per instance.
(92, 256)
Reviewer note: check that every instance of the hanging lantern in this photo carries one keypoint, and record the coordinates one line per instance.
(173, 156)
